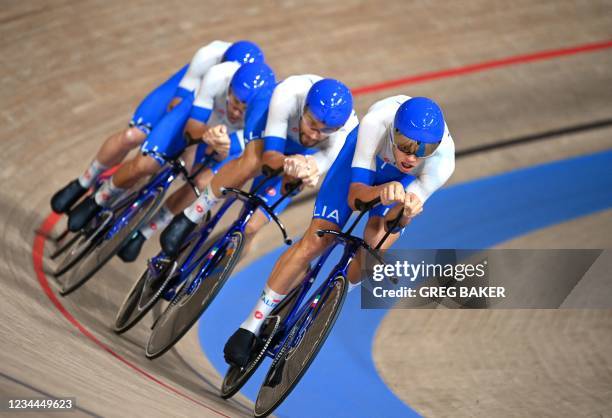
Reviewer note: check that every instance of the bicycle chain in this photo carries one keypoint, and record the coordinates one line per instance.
(267, 343)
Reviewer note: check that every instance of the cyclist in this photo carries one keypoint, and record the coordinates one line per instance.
(401, 152)
(217, 115)
(249, 81)
(306, 120)
(150, 111)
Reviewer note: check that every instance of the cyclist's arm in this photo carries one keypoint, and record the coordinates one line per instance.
(371, 133)
(281, 107)
(435, 171)
(273, 159)
(213, 84)
(363, 192)
(202, 61)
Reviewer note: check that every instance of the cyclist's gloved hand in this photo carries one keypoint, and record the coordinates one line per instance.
(303, 167)
(218, 140)
(392, 192)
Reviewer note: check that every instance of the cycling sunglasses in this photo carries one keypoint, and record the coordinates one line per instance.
(409, 146)
(311, 120)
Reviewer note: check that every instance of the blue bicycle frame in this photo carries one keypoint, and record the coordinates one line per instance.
(161, 180)
(208, 259)
(307, 311)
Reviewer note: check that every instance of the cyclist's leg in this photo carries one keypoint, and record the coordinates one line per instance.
(176, 202)
(287, 273)
(331, 211)
(234, 173)
(125, 177)
(165, 142)
(257, 221)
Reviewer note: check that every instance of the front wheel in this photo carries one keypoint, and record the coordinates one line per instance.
(300, 348)
(79, 245)
(199, 290)
(145, 293)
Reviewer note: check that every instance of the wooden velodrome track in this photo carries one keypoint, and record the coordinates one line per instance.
(72, 73)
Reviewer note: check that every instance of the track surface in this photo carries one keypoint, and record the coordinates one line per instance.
(74, 71)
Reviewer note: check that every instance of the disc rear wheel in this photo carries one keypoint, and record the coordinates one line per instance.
(199, 290)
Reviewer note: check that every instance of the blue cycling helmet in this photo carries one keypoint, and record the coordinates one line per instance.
(330, 101)
(244, 52)
(420, 119)
(250, 77)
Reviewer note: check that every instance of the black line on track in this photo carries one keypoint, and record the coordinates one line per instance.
(504, 143)
(599, 124)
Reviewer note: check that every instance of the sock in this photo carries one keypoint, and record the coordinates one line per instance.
(266, 303)
(108, 191)
(351, 286)
(159, 221)
(203, 204)
(91, 174)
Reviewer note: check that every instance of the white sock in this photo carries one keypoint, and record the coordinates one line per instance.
(203, 204)
(108, 191)
(91, 174)
(266, 303)
(351, 286)
(161, 220)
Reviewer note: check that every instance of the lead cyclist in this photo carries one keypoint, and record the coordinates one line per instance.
(151, 110)
(401, 152)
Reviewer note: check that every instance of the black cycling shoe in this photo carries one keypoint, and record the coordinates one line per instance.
(175, 234)
(83, 213)
(238, 348)
(63, 199)
(131, 249)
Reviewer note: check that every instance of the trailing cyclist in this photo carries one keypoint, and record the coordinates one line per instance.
(216, 117)
(151, 110)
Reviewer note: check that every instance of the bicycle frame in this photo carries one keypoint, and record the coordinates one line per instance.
(192, 262)
(306, 310)
(299, 309)
(161, 181)
(207, 259)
